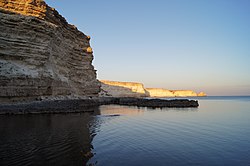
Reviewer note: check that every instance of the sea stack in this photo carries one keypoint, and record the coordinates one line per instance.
(42, 55)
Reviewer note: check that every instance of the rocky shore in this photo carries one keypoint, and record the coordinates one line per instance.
(44, 58)
(88, 105)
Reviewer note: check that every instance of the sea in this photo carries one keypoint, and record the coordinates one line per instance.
(217, 133)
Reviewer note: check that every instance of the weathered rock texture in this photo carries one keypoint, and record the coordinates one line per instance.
(41, 54)
(123, 89)
(132, 89)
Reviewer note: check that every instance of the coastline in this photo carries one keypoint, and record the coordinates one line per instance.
(88, 105)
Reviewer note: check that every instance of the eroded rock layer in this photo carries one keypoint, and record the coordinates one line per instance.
(41, 54)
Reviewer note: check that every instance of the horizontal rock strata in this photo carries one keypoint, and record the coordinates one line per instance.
(132, 89)
(123, 89)
(41, 54)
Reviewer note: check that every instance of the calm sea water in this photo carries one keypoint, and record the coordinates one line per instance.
(216, 133)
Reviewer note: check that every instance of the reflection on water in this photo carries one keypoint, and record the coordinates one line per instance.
(133, 110)
(216, 133)
(120, 110)
(56, 139)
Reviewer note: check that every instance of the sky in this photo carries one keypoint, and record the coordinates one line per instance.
(201, 45)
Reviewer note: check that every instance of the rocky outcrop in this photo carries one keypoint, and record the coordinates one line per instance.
(158, 103)
(132, 89)
(89, 105)
(122, 89)
(41, 54)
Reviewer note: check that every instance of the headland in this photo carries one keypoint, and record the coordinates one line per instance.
(46, 67)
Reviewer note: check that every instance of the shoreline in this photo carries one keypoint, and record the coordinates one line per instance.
(88, 105)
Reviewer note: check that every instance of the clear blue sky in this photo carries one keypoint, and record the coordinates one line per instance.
(202, 45)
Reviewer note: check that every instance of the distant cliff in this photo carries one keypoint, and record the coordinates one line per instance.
(158, 92)
(122, 89)
(41, 54)
(131, 89)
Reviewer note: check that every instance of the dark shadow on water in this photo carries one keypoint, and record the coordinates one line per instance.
(58, 139)
(52, 139)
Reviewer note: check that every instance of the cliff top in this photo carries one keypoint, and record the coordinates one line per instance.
(36, 8)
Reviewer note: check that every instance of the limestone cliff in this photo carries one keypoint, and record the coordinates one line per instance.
(41, 54)
(123, 89)
(184, 93)
(201, 94)
(158, 92)
(132, 89)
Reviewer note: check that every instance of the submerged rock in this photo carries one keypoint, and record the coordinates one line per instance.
(158, 103)
(89, 105)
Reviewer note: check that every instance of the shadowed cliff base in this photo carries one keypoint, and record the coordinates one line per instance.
(48, 139)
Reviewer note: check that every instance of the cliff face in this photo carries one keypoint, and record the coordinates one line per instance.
(123, 89)
(201, 94)
(184, 93)
(41, 54)
(131, 89)
(158, 92)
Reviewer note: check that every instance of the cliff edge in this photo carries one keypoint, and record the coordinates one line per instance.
(41, 54)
